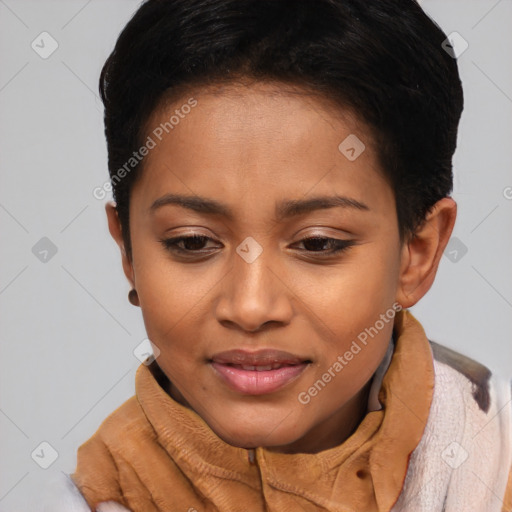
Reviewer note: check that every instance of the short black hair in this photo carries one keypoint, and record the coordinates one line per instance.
(383, 59)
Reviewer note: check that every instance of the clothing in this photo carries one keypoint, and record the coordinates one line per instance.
(437, 439)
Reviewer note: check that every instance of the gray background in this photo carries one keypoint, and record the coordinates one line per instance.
(67, 330)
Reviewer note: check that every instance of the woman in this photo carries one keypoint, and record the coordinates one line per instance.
(282, 174)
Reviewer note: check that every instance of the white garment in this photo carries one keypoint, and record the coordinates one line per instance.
(464, 457)
(62, 495)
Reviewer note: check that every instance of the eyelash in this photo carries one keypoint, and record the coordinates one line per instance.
(171, 244)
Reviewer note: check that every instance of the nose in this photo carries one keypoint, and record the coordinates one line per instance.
(254, 295)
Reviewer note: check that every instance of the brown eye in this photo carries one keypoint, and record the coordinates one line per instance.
(186, 244)
(325, 245)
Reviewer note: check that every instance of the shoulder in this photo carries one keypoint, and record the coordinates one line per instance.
(97, 472)
(95, 463)
(102, 446)
(464, 457)
(468, 372)
(470, 400)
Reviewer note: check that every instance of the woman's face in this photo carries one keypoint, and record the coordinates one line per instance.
(251, 172)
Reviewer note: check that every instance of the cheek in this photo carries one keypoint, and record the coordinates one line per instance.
(171, 294)
(352, 295)
(350, 302)
(170, 302)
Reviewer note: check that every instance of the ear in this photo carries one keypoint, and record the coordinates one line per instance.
(422, 253)
(114, 226)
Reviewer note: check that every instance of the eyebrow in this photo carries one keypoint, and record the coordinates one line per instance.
(285, 209)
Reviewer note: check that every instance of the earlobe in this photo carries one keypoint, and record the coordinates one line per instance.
(115, 228)
(422, 253)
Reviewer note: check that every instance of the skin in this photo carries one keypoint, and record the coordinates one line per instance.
(250, 146)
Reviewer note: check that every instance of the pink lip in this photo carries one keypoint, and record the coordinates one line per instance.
(228, 366)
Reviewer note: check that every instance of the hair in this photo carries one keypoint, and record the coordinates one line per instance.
(382, 59)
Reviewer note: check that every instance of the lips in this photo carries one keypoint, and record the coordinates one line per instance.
(259, 358)
(256, 373)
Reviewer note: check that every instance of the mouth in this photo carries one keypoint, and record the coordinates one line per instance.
(257, 373)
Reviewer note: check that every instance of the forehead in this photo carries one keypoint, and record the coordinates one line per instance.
(271, 104)
(257, 140)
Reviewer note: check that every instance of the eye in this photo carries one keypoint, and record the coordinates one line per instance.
(318, 244)
(187, 245)
(195, 245)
